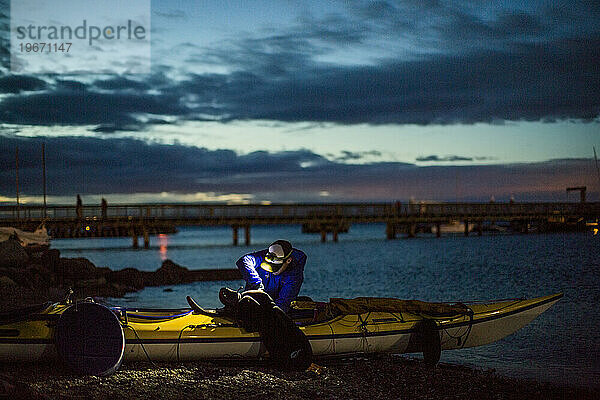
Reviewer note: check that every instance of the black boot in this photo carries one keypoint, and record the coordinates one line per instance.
(229, 297)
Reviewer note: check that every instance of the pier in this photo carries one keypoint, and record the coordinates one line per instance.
(144, 220)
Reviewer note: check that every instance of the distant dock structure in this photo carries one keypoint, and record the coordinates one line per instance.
(144, 220)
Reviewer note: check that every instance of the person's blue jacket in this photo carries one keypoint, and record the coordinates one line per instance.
(283, 288)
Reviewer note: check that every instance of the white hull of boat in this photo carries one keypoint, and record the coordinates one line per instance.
(37, 238)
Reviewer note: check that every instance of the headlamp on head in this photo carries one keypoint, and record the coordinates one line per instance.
(278, 252)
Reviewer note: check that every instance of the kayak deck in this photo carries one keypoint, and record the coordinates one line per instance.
(180, 334)
(198, 336)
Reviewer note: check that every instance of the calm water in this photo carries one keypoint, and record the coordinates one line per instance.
(562, 345)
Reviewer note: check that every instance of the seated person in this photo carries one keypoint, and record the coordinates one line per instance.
(278, 270)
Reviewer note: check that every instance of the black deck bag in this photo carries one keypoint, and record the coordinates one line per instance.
(288, 347)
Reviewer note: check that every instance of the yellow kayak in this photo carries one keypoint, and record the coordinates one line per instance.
(183, 334)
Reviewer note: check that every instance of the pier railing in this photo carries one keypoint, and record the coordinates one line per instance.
(146, 219)
(217, 214)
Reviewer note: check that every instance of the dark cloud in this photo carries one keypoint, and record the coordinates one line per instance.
(480, 87)
(92, 165)
(121, 83)
(559, 80)
(356, 155)
(70, 85)
(104, 166)
(379, 10)
(465, 66)
(81, 107)
(112, 128)
(463, 30)
(451, 158)
(4, 34)
(20, 83)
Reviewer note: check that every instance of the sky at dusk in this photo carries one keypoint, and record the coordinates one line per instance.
(288, 101)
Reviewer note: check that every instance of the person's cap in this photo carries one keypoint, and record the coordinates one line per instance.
(278, 252)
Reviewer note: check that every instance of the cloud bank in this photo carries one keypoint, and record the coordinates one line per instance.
(127, 167)
(434, 63)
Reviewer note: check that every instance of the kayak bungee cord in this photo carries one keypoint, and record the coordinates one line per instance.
(363, 328)
(133, 313)
(459, 338)
(141, 344)
(179, 338)
(158, 317)
(401, 319)
(332, 336)
(461, 342)
(465, 335)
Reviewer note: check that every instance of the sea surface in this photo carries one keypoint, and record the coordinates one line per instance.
(562, 345)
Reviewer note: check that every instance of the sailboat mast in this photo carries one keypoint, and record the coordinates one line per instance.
(17, 181)
(597, 168)
(44, 174)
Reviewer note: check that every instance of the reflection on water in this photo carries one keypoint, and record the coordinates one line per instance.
(163, 242)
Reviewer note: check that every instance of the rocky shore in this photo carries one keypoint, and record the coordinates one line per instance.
(46, 276)
(27, 279)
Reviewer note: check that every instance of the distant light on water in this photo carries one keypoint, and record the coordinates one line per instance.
(163, 242)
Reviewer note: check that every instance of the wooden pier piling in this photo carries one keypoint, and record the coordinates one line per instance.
(235, 235)
(390, 231)
(146, 238)
(412, 230)
(247, 235)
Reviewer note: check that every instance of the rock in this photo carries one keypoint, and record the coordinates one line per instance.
(75, 269)
(129, 277)
(51, 274)
(6, 281)
(169, 273)
(92, 283)
(41, 269)
(118, 290)
(12, 254)
(16, 275)
(50, 258)
(36, 276)
(103, 271)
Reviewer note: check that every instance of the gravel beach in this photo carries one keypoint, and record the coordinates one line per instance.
(374, 377)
